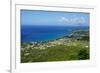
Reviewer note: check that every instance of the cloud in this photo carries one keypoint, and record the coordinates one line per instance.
(74, 20)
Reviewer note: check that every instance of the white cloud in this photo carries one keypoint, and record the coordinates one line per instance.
(75, 20)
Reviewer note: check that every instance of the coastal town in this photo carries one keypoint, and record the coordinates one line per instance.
(44, 45)
(61, 41)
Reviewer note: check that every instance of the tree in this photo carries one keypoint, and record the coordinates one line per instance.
(83, 54)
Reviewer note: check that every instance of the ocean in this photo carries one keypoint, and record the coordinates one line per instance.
(33, 33)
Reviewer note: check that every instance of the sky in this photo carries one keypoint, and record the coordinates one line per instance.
(54, 18)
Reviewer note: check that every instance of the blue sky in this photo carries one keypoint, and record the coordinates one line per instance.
(53, 18)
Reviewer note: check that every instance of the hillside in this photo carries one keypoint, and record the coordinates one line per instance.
(72, 47)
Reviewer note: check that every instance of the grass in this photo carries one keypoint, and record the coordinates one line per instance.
(75, 50)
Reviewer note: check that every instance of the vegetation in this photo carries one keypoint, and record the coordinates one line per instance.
(63, 49)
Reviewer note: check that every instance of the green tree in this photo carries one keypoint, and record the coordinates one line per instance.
(83, 54)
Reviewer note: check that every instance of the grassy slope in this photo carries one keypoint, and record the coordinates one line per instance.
(75, 50)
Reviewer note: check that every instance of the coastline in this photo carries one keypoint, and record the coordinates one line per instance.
(65, 48)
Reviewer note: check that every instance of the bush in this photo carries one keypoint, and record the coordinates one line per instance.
(83, 54)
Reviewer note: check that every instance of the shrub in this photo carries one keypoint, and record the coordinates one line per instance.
(83, 54)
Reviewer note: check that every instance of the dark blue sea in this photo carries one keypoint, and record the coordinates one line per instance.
(32, 33)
